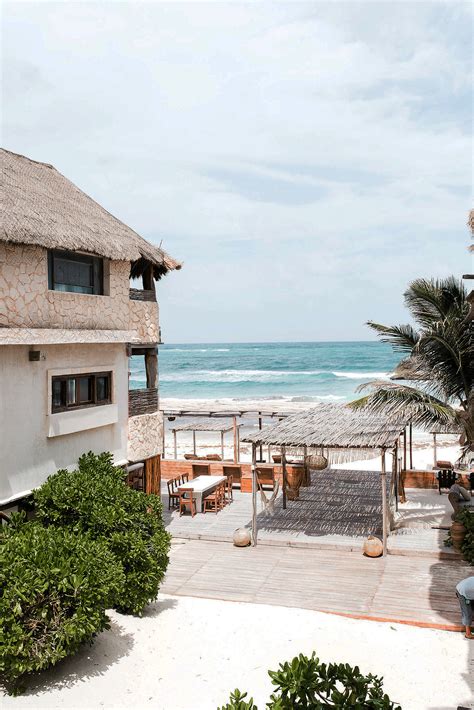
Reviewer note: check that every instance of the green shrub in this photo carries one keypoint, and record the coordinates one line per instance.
(95, 500)
(54, 589)
(467, 548)
(306, 684)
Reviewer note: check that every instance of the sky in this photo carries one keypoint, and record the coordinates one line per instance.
(303, 160)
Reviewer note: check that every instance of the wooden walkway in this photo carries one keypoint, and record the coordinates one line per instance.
(413, 590)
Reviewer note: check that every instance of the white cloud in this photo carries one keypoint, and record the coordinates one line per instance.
(214, 124)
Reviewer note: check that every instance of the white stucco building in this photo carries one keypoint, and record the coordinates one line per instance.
(68, 323)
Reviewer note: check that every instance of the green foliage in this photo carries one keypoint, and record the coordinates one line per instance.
(95, 500)
(440, 360)
(467, 548)
(306, 684)
(237, 702)
(54, 589)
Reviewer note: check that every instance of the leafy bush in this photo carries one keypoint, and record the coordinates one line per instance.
(95, 500)
(306, 684)
(467, 548)
(54, 589)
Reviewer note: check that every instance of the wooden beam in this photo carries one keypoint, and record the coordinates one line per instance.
(283, 471)
(254, 495)
(260, 429)
(411, 445)
(148, 280)
(175, 444)
(222, 445)
(194, 442)
(435, 450)
(236, 439)
(151, 367)
(405, 449)
(384, 504)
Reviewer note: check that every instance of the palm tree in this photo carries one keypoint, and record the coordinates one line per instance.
(439, 362)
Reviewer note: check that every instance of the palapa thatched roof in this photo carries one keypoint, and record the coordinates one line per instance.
(332, 426)
(205, 425)
(40, 207)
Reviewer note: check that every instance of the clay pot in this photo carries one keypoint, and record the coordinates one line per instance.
(241, 537)
(373, 546)
(458, 532)
(294, 476)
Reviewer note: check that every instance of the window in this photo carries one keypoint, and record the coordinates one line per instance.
(79, 273)
(79, 391)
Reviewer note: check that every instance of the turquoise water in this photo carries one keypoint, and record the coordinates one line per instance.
(289, 371)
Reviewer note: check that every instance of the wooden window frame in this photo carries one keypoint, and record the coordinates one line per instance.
(94, 403)
(96, 262)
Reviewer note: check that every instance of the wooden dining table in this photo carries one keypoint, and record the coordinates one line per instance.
(201, 486)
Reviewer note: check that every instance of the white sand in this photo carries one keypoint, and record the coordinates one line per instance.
(187, 654)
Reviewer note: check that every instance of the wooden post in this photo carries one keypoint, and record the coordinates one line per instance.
(260, 429)
(269, 453)
(283, 472)
(175, 444)
(395, 474)
(411, 445)
(236, 443)
(435, 450)
(384, 504)
(254, 495)
(151, 367)
(405, 449)
(194, 442)
(164, 440)
(222, 445)
(147, 278)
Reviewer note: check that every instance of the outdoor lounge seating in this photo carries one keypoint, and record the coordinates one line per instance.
(201, 469)
(234, 470)
(173, 495)
(265, 476)
(446, 478)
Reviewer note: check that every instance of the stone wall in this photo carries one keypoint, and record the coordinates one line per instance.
(144, 320)
(26, 301)
(145, 436)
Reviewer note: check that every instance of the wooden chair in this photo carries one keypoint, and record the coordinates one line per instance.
(234, 470)
(186, 499)
(201, 469)
(173, 496)
(228, 492)
(446, 478)
(266, 476)
(185, 478)
(215, 500)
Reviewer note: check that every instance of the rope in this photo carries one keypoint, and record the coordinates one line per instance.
(268, 504)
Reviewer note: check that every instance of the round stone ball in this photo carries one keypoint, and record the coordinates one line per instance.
(241, 537)
(373, 546)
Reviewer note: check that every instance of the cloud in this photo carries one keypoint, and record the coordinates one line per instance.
(331, 141)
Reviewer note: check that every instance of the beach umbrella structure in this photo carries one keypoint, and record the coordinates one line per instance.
(342, 434)
(221, 426)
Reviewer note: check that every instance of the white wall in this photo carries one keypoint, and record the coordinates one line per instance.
(27, 455)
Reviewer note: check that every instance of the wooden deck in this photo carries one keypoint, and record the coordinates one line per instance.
(417, 591)
(337, 511)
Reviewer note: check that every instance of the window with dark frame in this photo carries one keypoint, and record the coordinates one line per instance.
(80, 391)
(78, 273)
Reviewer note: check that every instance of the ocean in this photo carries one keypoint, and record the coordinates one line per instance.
(288, 372)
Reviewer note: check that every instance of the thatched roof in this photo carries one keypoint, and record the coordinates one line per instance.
(205, 425)
(40, 207)
(407, 369)
(332, 426)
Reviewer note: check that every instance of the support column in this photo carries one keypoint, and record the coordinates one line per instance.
(260, 429)
(411, 445)
(405, 449)
(222, 445)
(236, 442)
(254, 495)
(175, 444)
(151, 367)
(194, 443)
(435, 450)
(283, 472)
(384, 504)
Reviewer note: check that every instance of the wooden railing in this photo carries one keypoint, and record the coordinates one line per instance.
(138, 294)
(143, 401)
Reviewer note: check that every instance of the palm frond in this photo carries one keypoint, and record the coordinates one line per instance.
(401, 337)
(433, 300)
(422, 408)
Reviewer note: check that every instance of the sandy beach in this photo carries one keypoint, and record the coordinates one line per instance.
(188, 654)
